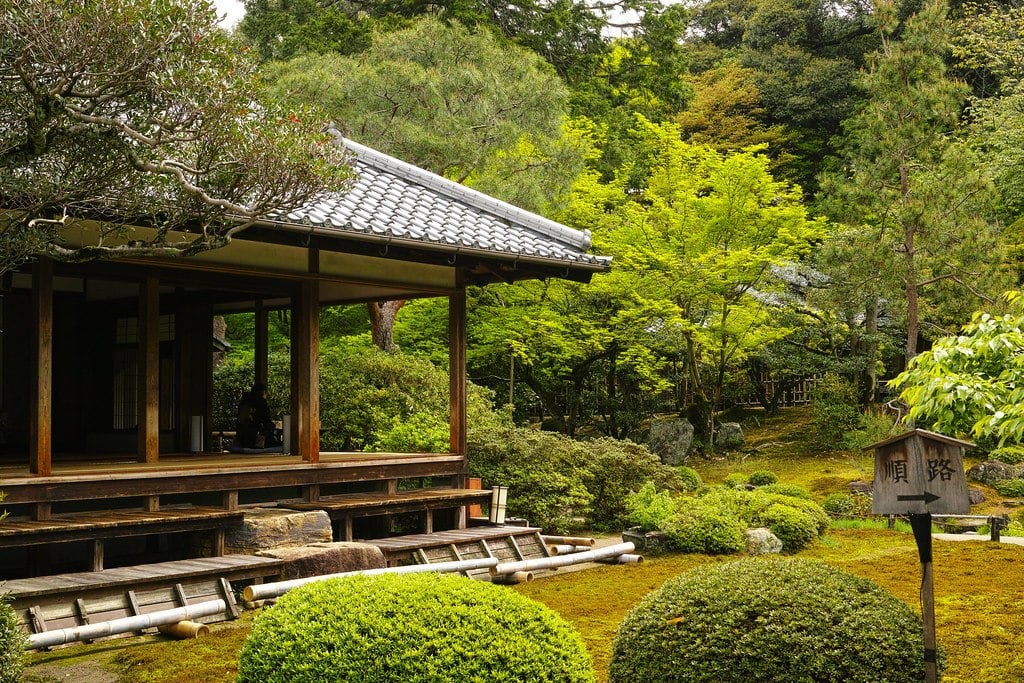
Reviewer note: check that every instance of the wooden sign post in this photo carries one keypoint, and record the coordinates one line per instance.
(917, 474)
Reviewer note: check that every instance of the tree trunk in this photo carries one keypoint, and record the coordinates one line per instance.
(382, 321)
(913, 312)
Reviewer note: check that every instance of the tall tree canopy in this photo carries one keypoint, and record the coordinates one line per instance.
(141, 113)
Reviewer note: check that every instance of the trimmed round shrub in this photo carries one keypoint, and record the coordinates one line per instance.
(791, 490)
(698, 528)
(690, 478)
(764, 620)
(762, 478)
(12, 643)
(1012, 454)
(407, 629)
(839, 505)
(1013, 488)
(735, 480)
(648, 508)
(795, 528)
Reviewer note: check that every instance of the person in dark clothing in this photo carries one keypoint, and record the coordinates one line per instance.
(255, 429)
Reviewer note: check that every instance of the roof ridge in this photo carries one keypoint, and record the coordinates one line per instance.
(474, 198)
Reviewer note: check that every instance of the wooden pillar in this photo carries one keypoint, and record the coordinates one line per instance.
(306, 372)
(457, 372)
(193, 332)
(149, 371)
(262, 344)
(41, 394)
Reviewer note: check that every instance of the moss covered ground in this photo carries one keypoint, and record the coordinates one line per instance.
(979, 595)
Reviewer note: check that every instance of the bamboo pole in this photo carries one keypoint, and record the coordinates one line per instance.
(625, 558)
(126, 624)
(568, 540)
(183, 630)
(567, 549)
(272, 590)
(563, 560)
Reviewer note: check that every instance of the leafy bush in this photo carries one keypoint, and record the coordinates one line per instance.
(795, 528)
(762, 478)
(735, 480)
(648, 508)
(704, 528)
(1010, 454)
(410, 628)
(839, 505)
(613, 470)
(791, 490)
(873, 425)
(12, 643)
(835, 409)
(1013, 488)
(766, 620)
(690, 478)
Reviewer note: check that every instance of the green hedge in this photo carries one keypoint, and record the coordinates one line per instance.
(12, 643)
(764, 620)
(413, 628)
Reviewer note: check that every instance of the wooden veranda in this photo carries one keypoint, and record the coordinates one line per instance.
(106, 369)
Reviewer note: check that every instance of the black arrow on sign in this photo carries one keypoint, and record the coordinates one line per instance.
(926, 497)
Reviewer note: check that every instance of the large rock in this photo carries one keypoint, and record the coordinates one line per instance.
(267, 528)
(975, 495)
(992, 471)
(671, 439)
(326, 558)
(729, 436)
(762, 542)
(645, 541)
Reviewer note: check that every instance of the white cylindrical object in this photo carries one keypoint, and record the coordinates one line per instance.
(272, 590)
(565, 549)
(125, 625)
(197, 434)
(568, 540)
(286, 433)
(517, 577)
(184, 630)
(499, 498)
(563, 560)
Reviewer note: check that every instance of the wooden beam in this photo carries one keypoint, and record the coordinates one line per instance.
(306, 372)
(149, 371)
(41, 393)
(457, 372)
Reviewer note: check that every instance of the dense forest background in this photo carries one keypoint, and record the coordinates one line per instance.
(789, 189)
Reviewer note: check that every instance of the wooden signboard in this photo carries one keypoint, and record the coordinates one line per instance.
(920, 472)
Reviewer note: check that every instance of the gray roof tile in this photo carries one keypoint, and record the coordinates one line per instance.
(393, 198)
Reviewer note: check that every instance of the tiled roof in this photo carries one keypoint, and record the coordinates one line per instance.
(395, 201)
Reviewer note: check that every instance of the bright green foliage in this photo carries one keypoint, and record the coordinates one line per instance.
(148, 112)
(12, 643)
(794, 527)
(649, 508)
(614, 469)
(701, 527)
(762, 478)
(414, 628)
(972, 384)
(768, 620)
(1011, 487)
(282, 30)
(1011, 454)
(690, 478)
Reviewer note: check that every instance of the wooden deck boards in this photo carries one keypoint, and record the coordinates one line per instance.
(380, 502)
(444, 538)
(107, 524)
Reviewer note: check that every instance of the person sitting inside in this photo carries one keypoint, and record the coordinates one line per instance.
(255, 429)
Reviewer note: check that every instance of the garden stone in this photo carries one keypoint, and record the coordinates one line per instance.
(326, 558)
(266, 528)
(729, 436)
(992, 471)
(975, 495)
(646, 541)
(762, 542)
(671, 439)
(861, 487)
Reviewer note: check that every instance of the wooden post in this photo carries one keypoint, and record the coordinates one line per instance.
(457, 372)
(922, 526)
(149, 371)
(306, 372)
(41, 394)
(261, 344)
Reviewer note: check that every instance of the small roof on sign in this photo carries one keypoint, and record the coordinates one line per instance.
(924, 433)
